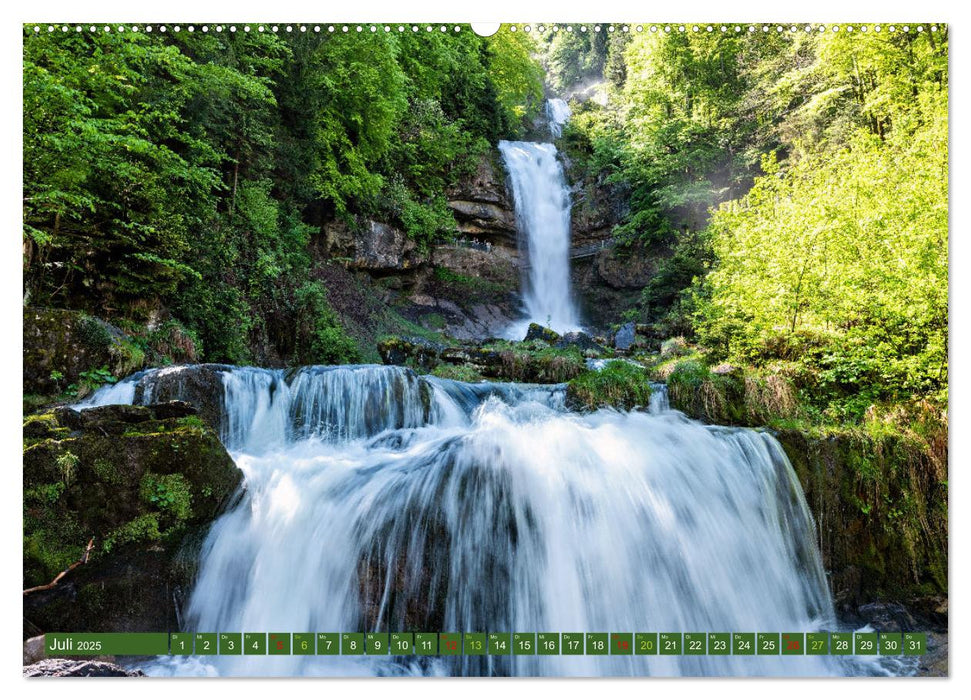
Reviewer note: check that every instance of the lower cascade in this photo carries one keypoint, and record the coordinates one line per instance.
(379, 500)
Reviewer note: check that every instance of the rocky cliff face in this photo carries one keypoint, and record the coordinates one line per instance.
(467, 288)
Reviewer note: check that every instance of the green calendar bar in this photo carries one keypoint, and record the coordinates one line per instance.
(402, 643)
(793, 643)
(377, 643)
(328, 643)
(279, 644)
(817, 643)
(426, 643)
(841, 643)
(915, 643)
(303, 643)
(891, 643)
(743, 643)
(230, 643)
(865, 643)
(597, 643)
(670, 643)
(622, 643)
(254, 643)
(107, 643)
(450, 644)
(572, 643)
(719, 643)
(206, 644)
(523, 644)
(475, 643)
(492, 643)
(180, 643)
(352, 643)
(695, 643)
(548, 643)
(645, 642)
(768, 643)
(500, 643)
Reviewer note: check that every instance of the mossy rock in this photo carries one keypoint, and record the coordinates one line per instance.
(880, 504)
(140, 481)
(60, 344)
(538, 332)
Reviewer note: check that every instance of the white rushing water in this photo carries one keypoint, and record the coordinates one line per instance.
(378, 500)
(557, 112)
(543, 216)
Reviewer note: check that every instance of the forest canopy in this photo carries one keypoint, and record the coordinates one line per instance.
(796, 186)
(189, 171)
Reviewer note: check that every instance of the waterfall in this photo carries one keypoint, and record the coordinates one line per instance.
(557, 112)
(379, 500)
(543, 215)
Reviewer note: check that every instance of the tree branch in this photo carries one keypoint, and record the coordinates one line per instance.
(83, 560)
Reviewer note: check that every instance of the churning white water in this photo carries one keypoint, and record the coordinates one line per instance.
(378, 500)
(543, 216)
(557, 112)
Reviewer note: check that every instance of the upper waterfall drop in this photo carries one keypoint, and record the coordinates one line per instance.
(543, 217)
(558, 112)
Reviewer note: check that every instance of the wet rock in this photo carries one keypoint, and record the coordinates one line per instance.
(482, 205)
(114, 417)
(934, 663)
(380, 247)
(68, 417)
(483, 218)
(456, 356)
(201, 386)
(579, 340)
(62, 668)
(538, 332)
(410, 351)
(39, 427)
(624, 338)
(172, 409)
(141, 488)
(34, 650)
(888, 617)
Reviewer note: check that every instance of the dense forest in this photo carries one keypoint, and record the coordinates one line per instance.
(792, 184)
(186, 173)
(799, 183)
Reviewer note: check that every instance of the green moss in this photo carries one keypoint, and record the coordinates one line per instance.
(169, 493)
(194, 422)
(94, 333)
(621, 385)
(433, 321)
(462, 285)
(461, 373)
(106, 471)
(44, 494)
(144, 528)
(127, 356)
(67, 463)
(189, 425)
(880, 500)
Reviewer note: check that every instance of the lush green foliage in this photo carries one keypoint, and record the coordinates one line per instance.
(825, 157)
(620, 384)
(187, 175)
